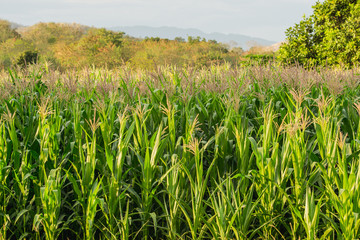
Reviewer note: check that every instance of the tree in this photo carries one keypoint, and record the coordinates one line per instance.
(97, 39)
(193, 40)
(45, 34)
(6, 31)
(27, 57)
(330, 36)
(237, 50)
(99, 47)
(11, 50)
(179, 39)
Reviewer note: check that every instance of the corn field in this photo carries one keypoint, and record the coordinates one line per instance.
(260, 152)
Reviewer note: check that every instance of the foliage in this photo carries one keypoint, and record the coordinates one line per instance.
(256, 59)
(12, 49)
(6, 31)
(44, 35)
(193, 40)
(179, 39)
(75, 46)
(99, 47)
(27, 57)
(180, 153)
(330, 36)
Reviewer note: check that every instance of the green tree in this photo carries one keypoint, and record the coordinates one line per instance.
(97, 39)
(6, 31)
(179, 39)
(331, 35)
(11, 49)
(45, 36)
(27, 57)
(99, 47)
(193, 40)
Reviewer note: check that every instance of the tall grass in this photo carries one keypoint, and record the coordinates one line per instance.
(262, 152)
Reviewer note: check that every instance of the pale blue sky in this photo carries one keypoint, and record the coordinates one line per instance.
(257, 18)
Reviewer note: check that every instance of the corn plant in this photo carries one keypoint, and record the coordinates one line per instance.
(50, 195)
(198, 182)
(234, 210)
(116, 210)
(148, 155)
(267, 154)
(257, 152)
(86, 185)
(5, 191)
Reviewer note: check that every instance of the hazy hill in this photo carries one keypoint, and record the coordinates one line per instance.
(13, 25)
(172, 32)
(234, 40)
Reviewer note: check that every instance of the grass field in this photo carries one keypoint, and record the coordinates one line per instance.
(260, 152)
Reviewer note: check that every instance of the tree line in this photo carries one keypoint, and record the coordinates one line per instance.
(75, 46)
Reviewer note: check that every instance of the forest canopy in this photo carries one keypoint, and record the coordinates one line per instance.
(330, 36)
(75, 46)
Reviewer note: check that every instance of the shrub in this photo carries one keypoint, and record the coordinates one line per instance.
(27, 57)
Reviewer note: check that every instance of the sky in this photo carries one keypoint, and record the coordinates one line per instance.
(266, 19)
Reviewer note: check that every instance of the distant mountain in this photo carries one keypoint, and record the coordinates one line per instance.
(234, 40)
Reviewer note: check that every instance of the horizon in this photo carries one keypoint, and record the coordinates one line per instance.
(258, 18)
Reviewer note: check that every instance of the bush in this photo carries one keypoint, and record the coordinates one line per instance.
(6, 31)
(27, 57)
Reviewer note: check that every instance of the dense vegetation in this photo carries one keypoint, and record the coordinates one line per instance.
(330, 36)
(67, 46)
(216, 153)
(104, 136)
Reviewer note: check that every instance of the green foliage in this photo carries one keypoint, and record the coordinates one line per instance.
(300, 44)
(96, 39)
(197, 39)
(6, 32)
(43, 35)
(11, 51)
(237, 50)
(154, 39)
(179, 153)
(256, 59)
(179, 39)
(27, 57)
(76, 46)
(330, 36)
